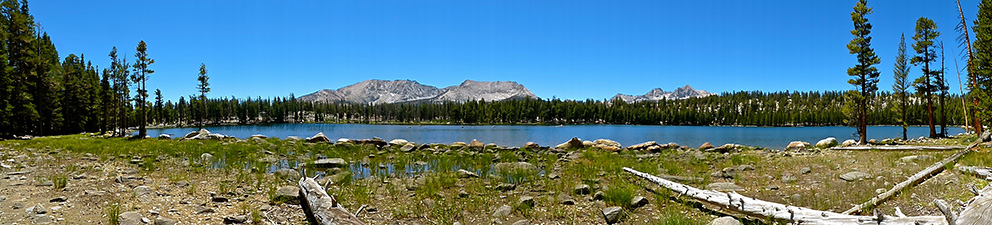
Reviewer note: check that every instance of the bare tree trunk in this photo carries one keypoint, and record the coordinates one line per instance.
(322, 209)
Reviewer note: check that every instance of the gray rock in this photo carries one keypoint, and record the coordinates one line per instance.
(293, 138)
(914, 158)
(526, 200)
(506, 187)
(638, 201)
(206, 157)
(503, 211)
(42, 219)
(466, 174)
(789, 178)
(573, 143)
(130, 218)
(287, 174)
(329, 163)
(218, 198)
(724, 187)
(581, 189)
(771, 187)
(164, 137)
(408, 147)
(612, 214)
(164, 221)
(599, 195)
(745, 167)
(462, 193)
(39, 209)
(848, 143)
(319, 138)
(805, 170)
(827, 142)
(45, 183)
(522, 222)
(726, 220)
(235, 219)
(58, 199)
(566, 199)
(553, 176)
(797, 145)
(203, 210)
(398, 142)
(513, 166)
(288, 194)
(18, 205)
(141, 191)
(853, 176)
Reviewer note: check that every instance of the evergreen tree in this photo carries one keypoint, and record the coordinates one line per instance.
(22, 63)
(106, 102)
(964, 40)
(926, 32)
(865, 74)
(981, 87)
(900, 72)
(159, 102)
(140, 76)
(942, 87)
(203, 87)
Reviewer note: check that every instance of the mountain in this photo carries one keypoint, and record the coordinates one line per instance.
(397, 91)
(658, 94)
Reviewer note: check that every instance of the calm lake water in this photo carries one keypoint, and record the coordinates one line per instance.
(517, 135)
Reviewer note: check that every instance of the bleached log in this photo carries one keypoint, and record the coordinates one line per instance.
(900, 148)
(321, 208)
(977, 171)
(800, 215)
(947, 211)
(979, 208)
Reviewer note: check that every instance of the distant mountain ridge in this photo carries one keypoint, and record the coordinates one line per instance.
(658, 94)
(399, 91)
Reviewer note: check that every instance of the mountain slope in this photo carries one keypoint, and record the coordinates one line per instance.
(489, 91)
(377, 92)
(658, 94)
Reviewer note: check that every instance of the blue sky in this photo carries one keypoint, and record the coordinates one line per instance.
(564, 49)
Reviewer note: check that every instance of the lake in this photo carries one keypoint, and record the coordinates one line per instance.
(517, 135)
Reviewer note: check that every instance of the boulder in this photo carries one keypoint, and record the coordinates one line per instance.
(796, 145)
(164, 221)
(574, 143)
(408, 147)
(513, 166)
(725, 148)
(612, 214)
(206, 157)
(293, 138)
(581, 189)
(130, 218)
(193, 134)
(466, 174)
(287, 194)
(827, 142)
(638, 201)
(319, 138)
(642, 146)
(459, 144)
(853, 176)
(476, 144)
(502, 211)
(724, 187)
(848, 143)
(259, 136)
(287, 174)
(330, 163)
(705, 146)
(164, 137)
(726, 220)
(608, 145)
(525, 200)
(398, 142)
(531, 145)
(343, 140)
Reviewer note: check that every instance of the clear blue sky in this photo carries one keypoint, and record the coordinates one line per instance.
(566, 49)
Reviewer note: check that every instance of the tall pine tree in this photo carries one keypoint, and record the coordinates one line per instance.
(865, 74)
(203, 86)
(140, 76)
(926, 32)
(900, 72)
(981, 87)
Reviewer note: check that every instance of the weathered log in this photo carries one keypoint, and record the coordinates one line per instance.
(977, 171)
(917, 178)
(979, 208)
(900, 148)
(321, 208)
(947, 211)
(799, 215)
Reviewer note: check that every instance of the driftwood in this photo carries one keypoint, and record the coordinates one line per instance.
(321, 208)
(900, 148)
(799, 215)
(979, 209)
(917, 178)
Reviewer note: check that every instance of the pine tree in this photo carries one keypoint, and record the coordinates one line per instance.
(106, 102)
(22, 63)
(900, 71)
(158, 106)
(203, 87)
(981, 87)
(926, 32)
(140, 76)
(865, 74)
(942, 87)
(964, 40)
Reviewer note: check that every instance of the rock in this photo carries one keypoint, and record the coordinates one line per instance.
(638, 201)
(466, 174)
(378, 142)
(503, 211)
(343, 140)
(705, 146)
(612, 214)
(476, 144)
(805, 170)
(505, 187)
(293, 138)
(772, 187)
(566, 199)
(724, 187)
(848, 143)
(42, 219)
(581, 189)
(789, 178)
(853, 176)
(58, 199)
(599, 195)
(218, 198)
(574, 143)
(140, 191)
(872, 141)
(827, 142)
(130, 218)
(796, 145)
(458, 144)
(288, 194)
(608, 145)
(319, 138)
(45, 183)
(521, 222)
(18, 205)
(643, 146)
(745, 167)
(462, 193)
(587, 144)
(914, 158)
(398, 142)
(235, 219)
(725, 148)
(726, 220)
(331, 163)
(514, 166)
(259, 136)
(408, 147)
(203, 210)
(525, 200)
(206, 157)
(39, 209)
(531, 145)
(553, 176)
(287, 174)
(164, 221)
(164, 137)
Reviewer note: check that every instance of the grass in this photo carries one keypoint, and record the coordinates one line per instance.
(114, 213)
(619, 193)
(60, 181)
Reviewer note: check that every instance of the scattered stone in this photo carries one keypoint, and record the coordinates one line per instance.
(458, 144)
(726, 220)
(218, 198)
(724, 187)
(531, 145)
(206, 157)
(130, 218)
(164, 137)
(574, 143)
(398, 142)
(264, 208)
(526, 200)
(643, 146)
(638, 201)
(58, 199)
(203, 210)
(235, 219)
(607, 145)
(581, 189)
(164, 221)
(797, 145)
(827, 142)
(503, 211)
(287, 174)
(18, 205)
(319, 138)
(771, 187)
(288, 194)
(599, 195)
(506, 187)
(566, 199)
(408, 147)
(725, 148)
(805, 170)
(466, 174)
(329, 163)
(514, 166)
(612, 214)
(789, 178)
(142, 191)
(462, 193)
(45, 183)
(39, 209)
(476, 144)
(853, 176)
(848, 143)
(745, 167)
(705, 146)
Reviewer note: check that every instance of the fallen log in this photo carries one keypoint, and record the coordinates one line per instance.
(979, 209)
(321, 208)
(900, 148)
(799, 215)
(917, 178)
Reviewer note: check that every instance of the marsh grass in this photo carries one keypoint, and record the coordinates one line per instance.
(60, 181)
(619, 193)
(113, 213)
